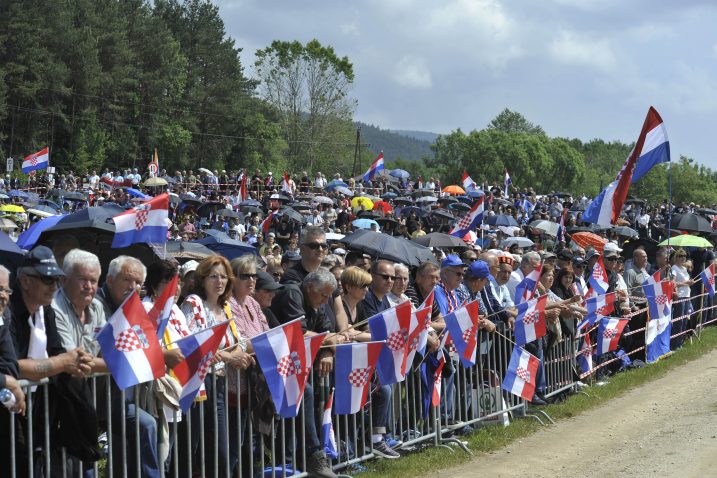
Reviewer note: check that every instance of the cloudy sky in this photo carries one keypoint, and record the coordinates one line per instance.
(579, 68)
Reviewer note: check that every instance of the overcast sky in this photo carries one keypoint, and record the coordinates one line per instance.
(578, 68)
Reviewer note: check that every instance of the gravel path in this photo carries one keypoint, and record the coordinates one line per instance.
(667, 427)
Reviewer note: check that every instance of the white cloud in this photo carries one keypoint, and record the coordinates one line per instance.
(412, 72)
(570, 48)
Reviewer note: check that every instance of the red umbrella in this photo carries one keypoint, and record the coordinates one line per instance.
(588, 239)
(382, 206)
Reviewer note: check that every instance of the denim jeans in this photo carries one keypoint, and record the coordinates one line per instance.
(380, 403)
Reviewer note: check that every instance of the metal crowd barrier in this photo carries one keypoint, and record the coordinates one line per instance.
(215, 432)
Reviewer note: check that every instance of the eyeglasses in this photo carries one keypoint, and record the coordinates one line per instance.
(611, 259)
(217, 277)
(470, 259)
(247, 276)
(386, 277)
(457, 273)
(51, 280)
(277, 274)
(5, 290)
(317, 245)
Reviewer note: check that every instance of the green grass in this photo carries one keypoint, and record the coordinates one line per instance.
(492, 438)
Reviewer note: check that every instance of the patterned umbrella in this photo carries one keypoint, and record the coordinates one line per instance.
(589, 239)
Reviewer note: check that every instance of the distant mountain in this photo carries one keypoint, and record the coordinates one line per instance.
(408, 145)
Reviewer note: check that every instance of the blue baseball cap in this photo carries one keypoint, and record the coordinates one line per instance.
(452, 260)
(478, 269)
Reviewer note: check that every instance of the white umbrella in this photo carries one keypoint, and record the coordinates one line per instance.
(333, 236)
(323, 200)
(205, 171)
(427, 199)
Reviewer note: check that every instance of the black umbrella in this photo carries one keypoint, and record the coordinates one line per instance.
(292, 214)
(635, 201)
(252, 209)
(224, 212)
(96, 218)
(302, 206)
(707, 211)
(169, 179)
(250, 202)
(387, 247)
(459, 206)
(190, 201)
(630, 245)
(691, 222)
(441, 241)
(221, 243)
(209, 208)
(447, 200)
(500, 201)
(625, 231)
(501, 220)
(186, 250)
(443, 214)
(369, 214)
(409, 209)
(402, 200)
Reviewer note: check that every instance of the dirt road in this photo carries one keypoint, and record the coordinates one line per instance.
(665, 428)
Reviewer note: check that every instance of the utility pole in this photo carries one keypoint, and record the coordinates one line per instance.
(356, 151)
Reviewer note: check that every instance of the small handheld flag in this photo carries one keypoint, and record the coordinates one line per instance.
(355, 363)
(609, 334)
(162, 309)
(708, 279)
(530, 321)
(327, 430)
(525, 290)
(521, 376)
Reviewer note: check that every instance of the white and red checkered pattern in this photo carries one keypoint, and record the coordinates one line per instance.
(397, 340)
(205, 365)
(128, 341)
(286, 367)
(141, 218)
(661, 299)
(467, 334)
(610, 333)
(359, 377)
(523, 373)
(532, 317)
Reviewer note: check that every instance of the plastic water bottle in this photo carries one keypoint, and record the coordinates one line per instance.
(7, 398)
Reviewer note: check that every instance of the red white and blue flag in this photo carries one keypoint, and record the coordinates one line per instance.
(659, 297)
(467, 182)
(506, 181)
(471, 220)
(437, 379)
(598, 306)
(585, 355)
(392, 326)
(35, 161)
(355, 363)
(525, 290)
(520, 378)
(145, 223)
(462, 324)
(609, 333)
(199, 352)
(375, 167)
(530, 321)
(161, 311)
(282, 356)
(327, 430)
(130, 346)
(266, 223)
(286, 183)
(418, 335)
(708, 279)
(242, 186)
(652, 148)
(598, 278)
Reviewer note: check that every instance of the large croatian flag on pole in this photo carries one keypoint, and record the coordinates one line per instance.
(652, 148)
(199, 350)
(530, 321)
(375, 167)
(609, 334)
(281, 353)
(392, 326)
(35, 161)
(355, 363)
(130, 346)
(142, 224)
(520, 378)
(525, 290)
(469, 221)
(708, 280)
(463, 326)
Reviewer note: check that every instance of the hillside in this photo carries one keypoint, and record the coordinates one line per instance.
(419, 135)
(396, 145)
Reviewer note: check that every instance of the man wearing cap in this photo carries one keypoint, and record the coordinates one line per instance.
(452, 272)
(264, 292)
(476, 278)
(579, 275)
(610, 256)
(565, 258)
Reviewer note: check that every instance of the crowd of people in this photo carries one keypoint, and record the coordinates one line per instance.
(53, 302)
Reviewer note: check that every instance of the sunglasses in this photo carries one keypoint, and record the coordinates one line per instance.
(611, 259)
(317, 245)
(386, 277)
(51, 280)
(458, 273)
(247, 276)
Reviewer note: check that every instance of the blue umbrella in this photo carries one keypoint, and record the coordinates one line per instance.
(16, 193)
(10, 254)
(475, 193)
(344, 190)
(364, 223)
(501, 220)
(28, 239)
(409, 209)
(137, 193)
(399, 173)
(222, 244)
(334, 184)
(52, 204)
(250, 202)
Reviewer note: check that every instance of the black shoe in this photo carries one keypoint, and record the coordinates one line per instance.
(537, 401)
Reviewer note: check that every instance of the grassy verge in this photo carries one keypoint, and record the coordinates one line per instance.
(492, 438)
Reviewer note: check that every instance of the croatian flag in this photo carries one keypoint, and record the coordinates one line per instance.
(652, 148)
(162, 309)
(527, 207)
(598, 278)
(520, 378)
(585, 355)
(525, 290)
(506, 181)
(242, 187)
(266, 223)
(428, 301)
(609, 334)
(375, 167)
(467, 182)
(285, 183)
(281, 353)
(35, 161)
(530, 321)
(708, 279)
(463, 326)
(327, 430)
(598, 306)
(437, 376)
(130, 346)
(392, 326)
(659, 298)
(470, 221)
(312, 344)
(355, 363)
(199, 351)
(142, 224)
(420, 325)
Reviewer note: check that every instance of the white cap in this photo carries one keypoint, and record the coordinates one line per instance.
(187, 267)
(611, 247)
(339, 251)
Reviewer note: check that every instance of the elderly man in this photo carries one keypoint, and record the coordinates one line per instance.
(452, 271)
(308, 302)
(79, 315)
(503, 273)
(490, 293)
(636, 274)
(528, 262)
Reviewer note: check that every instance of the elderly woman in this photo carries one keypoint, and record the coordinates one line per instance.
(354, 283)
(205, 307)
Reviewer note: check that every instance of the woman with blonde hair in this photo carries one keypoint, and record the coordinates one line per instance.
(354, 284)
